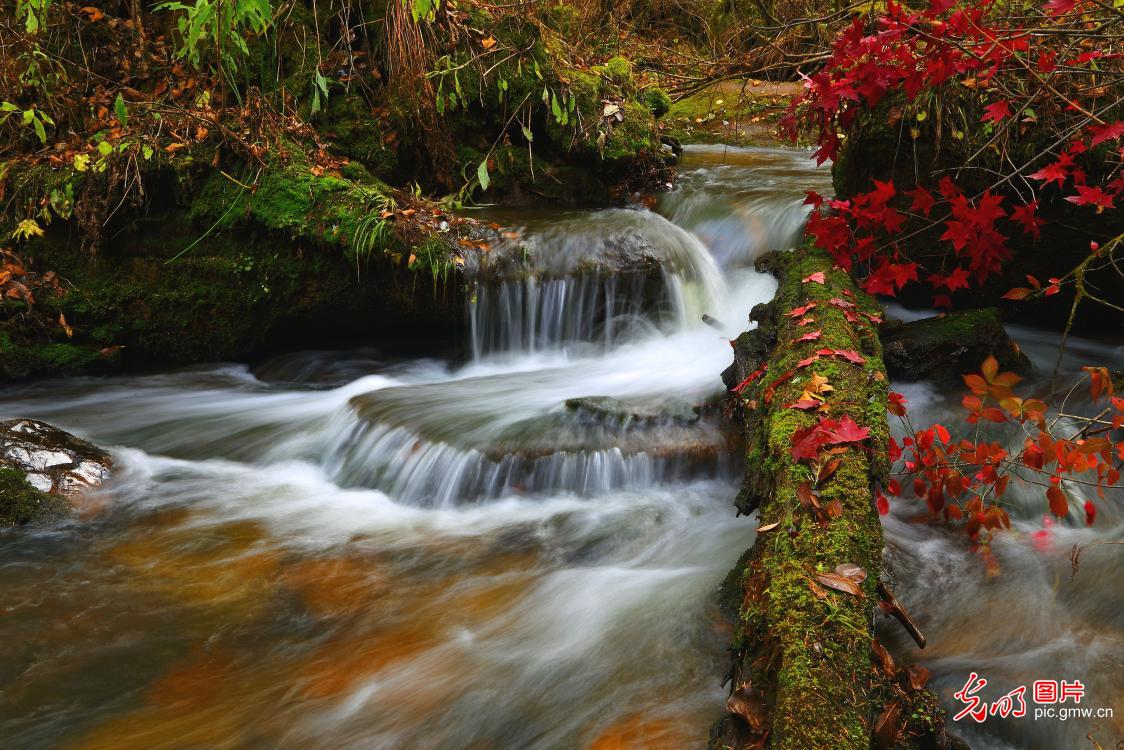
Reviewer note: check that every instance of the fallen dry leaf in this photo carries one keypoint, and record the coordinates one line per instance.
(885, 661)
(746, 702)
(852, 571)
(918, 676)
(839, 583)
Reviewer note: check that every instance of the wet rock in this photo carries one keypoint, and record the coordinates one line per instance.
(615, 411)
(41, 466)
(944, 347)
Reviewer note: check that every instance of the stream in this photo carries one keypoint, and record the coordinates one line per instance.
(356, 549)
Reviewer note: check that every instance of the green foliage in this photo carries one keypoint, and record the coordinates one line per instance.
(33, 13)
(31, 118)
(219, 28)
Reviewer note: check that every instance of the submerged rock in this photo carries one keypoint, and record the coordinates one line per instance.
(41, 466)
(944, 347)
(615, 411)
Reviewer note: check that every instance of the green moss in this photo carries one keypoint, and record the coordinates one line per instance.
(632, 135)
(819, 644)
(21, 359)
(358, 134)
(657, 100)
(20, 503)
(618, 70)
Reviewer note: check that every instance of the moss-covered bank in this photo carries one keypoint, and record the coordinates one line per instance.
(220, 266)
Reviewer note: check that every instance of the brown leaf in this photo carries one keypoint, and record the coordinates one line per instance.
(488, 43)
(768, 527)
(65, 327)
(918, 676)
(746, 702)
(885, 661)
(852, 571)
(834, 509)
(817, 590)
(887, 729)
(828, 469)
(93, 14)
(839, 583)
(807, 498)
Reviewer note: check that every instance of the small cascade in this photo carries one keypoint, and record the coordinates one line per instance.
(422, 473)
(601, 278)
(439, 455)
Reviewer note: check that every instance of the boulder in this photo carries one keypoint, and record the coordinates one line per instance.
(41, 467)
(944, 347)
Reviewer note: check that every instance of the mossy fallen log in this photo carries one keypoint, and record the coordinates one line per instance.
(811, 386)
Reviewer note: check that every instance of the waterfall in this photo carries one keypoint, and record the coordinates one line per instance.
(602, 279)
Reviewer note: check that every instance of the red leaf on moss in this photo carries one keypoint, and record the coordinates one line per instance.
(850, 355)
(817, 277)
(848, 431)
(798, 312)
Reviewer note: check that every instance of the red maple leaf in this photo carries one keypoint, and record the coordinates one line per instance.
(957, 278)
(847, 431)
(797, 312)
(1110, 131)
(1055, 172)
(1091, 196)
(996, 111)
(1026, 217)
(947, 188)
(810, 336)
(807, 441)
(804, 404)
(923, 200)
(1059, 7)
(850, 355)
(816, 277)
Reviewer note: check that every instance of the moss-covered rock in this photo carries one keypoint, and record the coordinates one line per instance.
(20, 503)
(944, 347)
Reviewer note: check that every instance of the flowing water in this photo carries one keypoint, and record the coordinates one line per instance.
(348, 549)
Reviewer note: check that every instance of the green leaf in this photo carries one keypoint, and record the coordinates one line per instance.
(147, 152)
(555, 108)
(482, 175)
(105, 148)
(528, 134)
(40, 131)
(120, 111)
